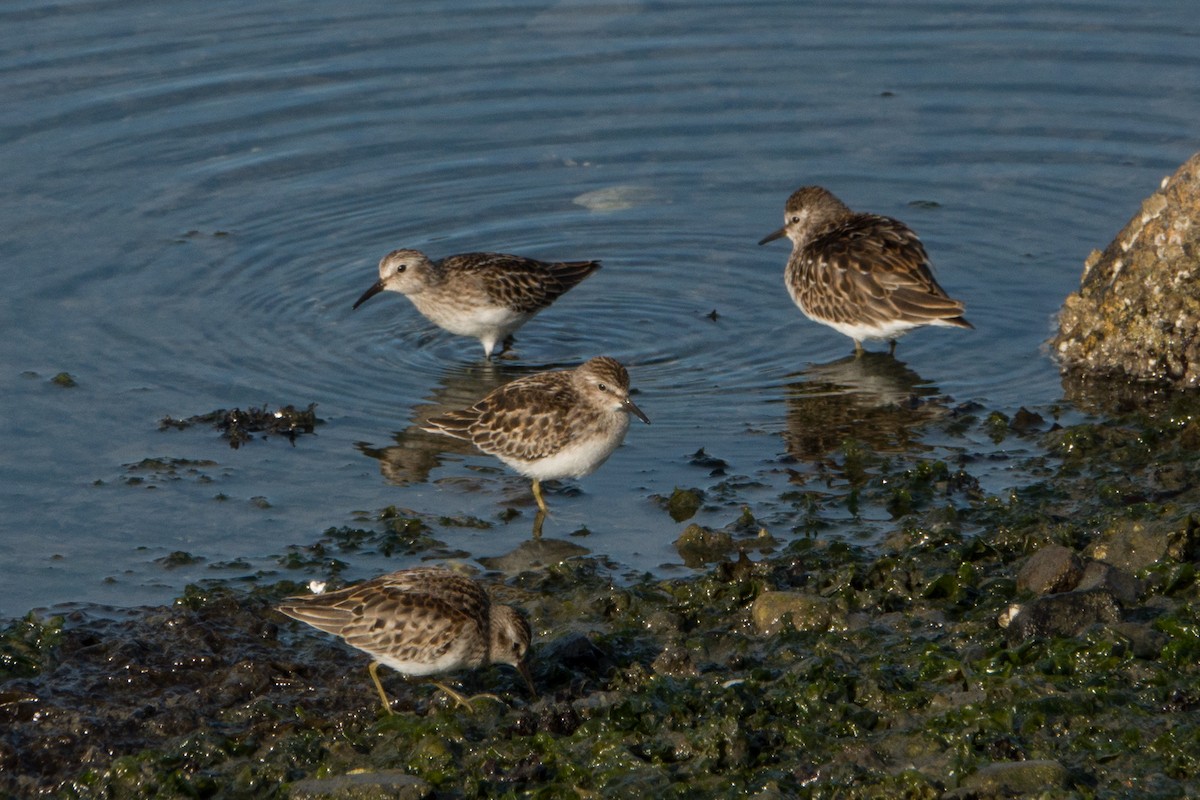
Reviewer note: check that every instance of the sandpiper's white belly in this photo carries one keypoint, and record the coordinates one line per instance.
(581, 457)
(472, 320)
(453, 659)
(891, 329)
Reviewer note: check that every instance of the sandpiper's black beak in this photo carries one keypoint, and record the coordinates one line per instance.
(637, 412)
(523, 668)
(770, 237)
(375, 289)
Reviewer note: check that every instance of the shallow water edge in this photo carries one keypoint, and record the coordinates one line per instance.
(942, 663)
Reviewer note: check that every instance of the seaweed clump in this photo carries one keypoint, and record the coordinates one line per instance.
(240, 426)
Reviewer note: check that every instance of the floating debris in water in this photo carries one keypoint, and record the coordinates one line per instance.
(239, 426)
(617, 198)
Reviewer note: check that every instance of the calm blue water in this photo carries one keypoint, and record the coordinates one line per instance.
(195, 194)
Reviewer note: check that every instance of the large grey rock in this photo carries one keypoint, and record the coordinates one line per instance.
(1137, 311)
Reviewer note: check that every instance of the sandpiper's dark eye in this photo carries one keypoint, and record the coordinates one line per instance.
(796, 218)
(401, 267)
(602, 387)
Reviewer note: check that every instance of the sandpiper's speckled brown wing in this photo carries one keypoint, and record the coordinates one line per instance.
(527, 419)
(414, 616)
(523, 284)
(870, 269)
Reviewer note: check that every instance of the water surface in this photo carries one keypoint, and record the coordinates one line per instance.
(195, 195)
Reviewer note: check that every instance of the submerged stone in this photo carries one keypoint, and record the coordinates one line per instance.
(684, 503)
(698, 544)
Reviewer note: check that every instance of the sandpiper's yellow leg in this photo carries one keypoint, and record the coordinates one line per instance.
(537, 495)
(456, 696)
(374, 670)
(537, 524)
(858, 349)
(464, 701)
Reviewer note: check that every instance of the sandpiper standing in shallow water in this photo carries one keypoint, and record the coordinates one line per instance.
(864, 275)
(485, 295)
(550, 425)
(420, 622)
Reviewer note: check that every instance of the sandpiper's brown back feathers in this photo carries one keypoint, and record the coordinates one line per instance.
(527, 419)
(550, 425)
(525, 284)
(414, 616)
(880, 266)
(485, 295)
(864, 275)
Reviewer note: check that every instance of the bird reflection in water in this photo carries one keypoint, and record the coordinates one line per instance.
(416, 452)
(872, 398)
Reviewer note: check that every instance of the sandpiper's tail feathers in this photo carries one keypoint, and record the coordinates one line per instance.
(924, 304)
(568, 275)
(456, 424)
(573, 272)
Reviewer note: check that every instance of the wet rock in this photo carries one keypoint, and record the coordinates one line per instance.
(1026, 421)
(1051, 569)
(698, 545)
(1145, 641)
(684, 503)
(1120, 584)
(573, 657)
(1132, 545)
(675, 661)
(384, 785)
(534, 554)
(1137, 312)
(1014, 778)
(735, 571)
(704, 460)
(772, 612)
(1061, 615)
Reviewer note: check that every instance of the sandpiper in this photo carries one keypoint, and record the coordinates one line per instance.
(864, 275)
(485, 295)
(550, 425)
(420, 622)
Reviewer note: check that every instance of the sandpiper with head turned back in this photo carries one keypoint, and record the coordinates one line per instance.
(549, 425)
(864, 275)
(420, 622)
(484, 295)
